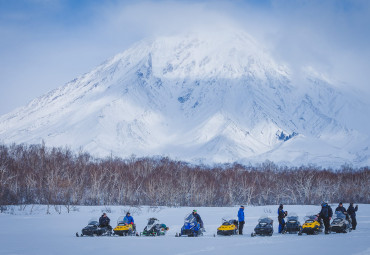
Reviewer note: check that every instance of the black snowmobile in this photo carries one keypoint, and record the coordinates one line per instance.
(93, 229)
(154, 228)
(264, 227)
(292, 226)
(341, 224)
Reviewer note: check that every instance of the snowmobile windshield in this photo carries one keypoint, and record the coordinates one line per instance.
(190, 218)
(340, 215)
(232, 222)
(292, 218)
(227, 220)
(310, 221)
(93, 222)
(122, 220)
(337, 220)
(293, 214)
(152, 221)
(265, 221)
(310, 217)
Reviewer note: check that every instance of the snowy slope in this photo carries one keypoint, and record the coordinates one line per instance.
(39, 233)
(198, 97)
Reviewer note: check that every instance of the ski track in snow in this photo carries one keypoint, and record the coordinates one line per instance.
(39, 233)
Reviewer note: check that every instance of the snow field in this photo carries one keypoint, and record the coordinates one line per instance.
(41, 233)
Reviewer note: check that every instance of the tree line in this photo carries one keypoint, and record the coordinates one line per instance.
(35, 174)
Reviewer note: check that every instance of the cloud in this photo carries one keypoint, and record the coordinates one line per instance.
(44, 44)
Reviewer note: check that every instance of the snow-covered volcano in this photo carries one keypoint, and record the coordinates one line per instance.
(197, 97)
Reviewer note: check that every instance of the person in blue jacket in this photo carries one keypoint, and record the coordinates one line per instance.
(352, 213)
(128, 219)
(281, 215)
(241, 219)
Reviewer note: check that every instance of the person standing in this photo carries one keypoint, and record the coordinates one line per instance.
(325, 214)
(281, 215)
(352, 213)
(241, 219)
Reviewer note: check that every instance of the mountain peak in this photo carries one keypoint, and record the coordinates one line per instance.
(214, 97)
(198, 55)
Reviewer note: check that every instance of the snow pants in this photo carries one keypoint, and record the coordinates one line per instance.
(281, 225)
(326, 224)
(241, 226)
(354, 222)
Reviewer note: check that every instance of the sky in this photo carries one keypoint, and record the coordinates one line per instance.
(46, 43)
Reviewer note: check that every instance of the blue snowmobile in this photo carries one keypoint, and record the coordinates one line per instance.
(191, 227)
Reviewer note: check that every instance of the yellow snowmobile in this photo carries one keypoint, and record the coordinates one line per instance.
(312, 226)
(124, 228)
(228, 227)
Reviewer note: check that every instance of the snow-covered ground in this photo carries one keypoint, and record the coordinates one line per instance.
(39, 233)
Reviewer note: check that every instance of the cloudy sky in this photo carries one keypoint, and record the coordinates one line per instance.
(46, 43)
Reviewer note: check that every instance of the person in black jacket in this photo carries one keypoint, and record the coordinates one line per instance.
(340, 208)
(198, 218)
(104, 221)
(325, 214)
(281, 215)
(352, 213)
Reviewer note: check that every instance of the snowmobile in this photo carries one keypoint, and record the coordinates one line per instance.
(93, 229)
(154, 228)
(124, 228)
(191, 227)
(341, 224)
(228, 227)
(312, 226)
(292, 226)
(264, 227)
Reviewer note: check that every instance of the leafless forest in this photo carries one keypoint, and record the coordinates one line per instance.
(36, 174)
